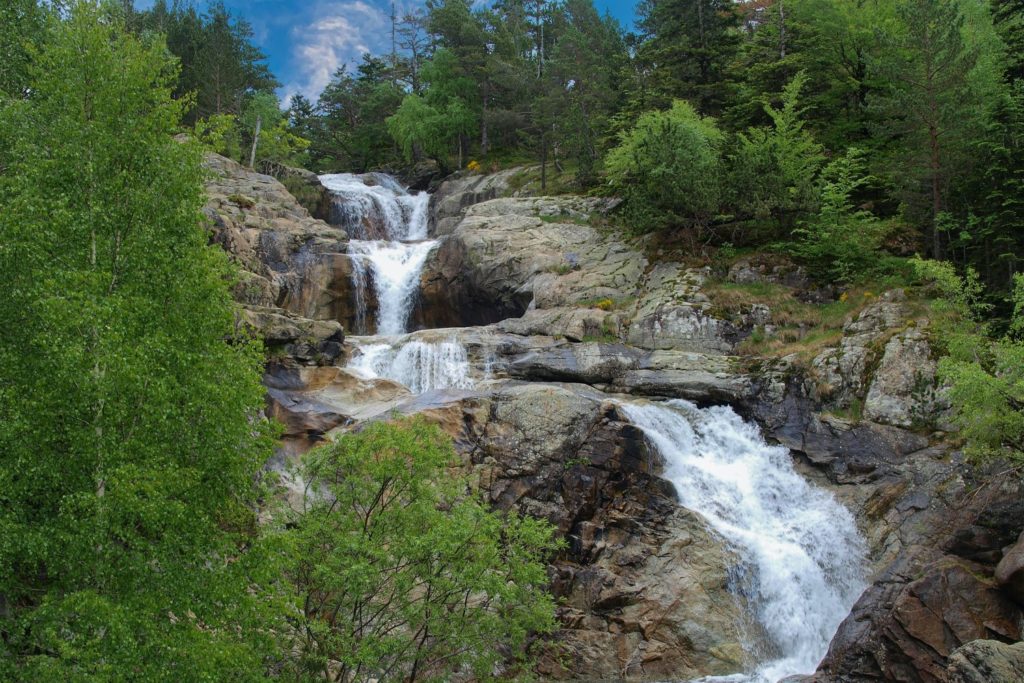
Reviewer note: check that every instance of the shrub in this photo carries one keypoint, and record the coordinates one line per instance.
(402, 573)
(840, 243)
(774, 169)
(667, 168)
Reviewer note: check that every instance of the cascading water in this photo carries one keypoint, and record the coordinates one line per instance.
(389, 246)
(421, 366)
(801, 549)
(394, 269)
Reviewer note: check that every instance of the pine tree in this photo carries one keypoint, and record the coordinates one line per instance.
(688, 47)
(928, 68)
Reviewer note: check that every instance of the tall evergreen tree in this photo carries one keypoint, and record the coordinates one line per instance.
(929, 98)
(688, 47)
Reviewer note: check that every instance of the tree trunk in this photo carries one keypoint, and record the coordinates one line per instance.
(936, 173)
(485, 142)
(544, 161)
(255, 141)
(782, 30)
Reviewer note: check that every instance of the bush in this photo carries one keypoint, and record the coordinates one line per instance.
(774, 169)
(985, 375)
(840, 243)
(667, 168)
(402, 574)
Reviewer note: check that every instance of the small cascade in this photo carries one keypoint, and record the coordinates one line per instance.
(420, 366)
(375, 207)
(389, 245)
(394, 270)
(802, 554)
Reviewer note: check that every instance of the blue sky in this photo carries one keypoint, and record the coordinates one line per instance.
(307, 40)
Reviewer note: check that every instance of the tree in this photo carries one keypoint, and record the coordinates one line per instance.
(461, 31)
(219, 62)
(130, 441)
(21, 24)
(775, 168)
(668, 168)
(929, 100)
(841, 243)
(412, 38)
(401, 572)
(585, 65)
(352, 133)
(443, 118)
(688, 46)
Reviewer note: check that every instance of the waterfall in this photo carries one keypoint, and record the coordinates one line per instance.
(394, 269)
(420, 366)
(801, 549)
(389, 246)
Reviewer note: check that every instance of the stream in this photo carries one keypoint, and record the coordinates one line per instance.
(803, 560)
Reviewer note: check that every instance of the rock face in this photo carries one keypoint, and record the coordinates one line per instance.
(289, 260)
(638, 570)
(571, 321)
(1010, 570)
(461, 191)
(537, 263)
(987, 661)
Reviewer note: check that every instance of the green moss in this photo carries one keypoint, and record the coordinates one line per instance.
(242, 201)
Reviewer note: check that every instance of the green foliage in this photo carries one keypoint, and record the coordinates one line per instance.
(129, 437)
(401, 572)
(22, 23)
(841, 242)
(219, 62)
(930, 101)
(442, 117)
(583, 86)
(350, 131)
(688, 48)
(775, 168)
(219, 133)
(668, 168)
(985, 376)
(276, 143)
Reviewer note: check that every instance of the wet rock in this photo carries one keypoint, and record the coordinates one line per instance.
(587, 363)
(645, 587)
(905, 628)
(313, 401)
(934, 526)
(1010, 570)
(987, 661)
(705, 379)
(421, 176)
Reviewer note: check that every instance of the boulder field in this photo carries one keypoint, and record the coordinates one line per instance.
(562, 318)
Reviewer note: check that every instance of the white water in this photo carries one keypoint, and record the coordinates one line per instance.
(383, 201)
(801, 549)
(394, 269)
(392, 266)
(420, 366)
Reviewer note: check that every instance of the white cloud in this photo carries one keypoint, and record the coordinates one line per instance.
(340, 34)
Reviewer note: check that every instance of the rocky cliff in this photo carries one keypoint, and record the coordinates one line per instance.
(568, 317)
